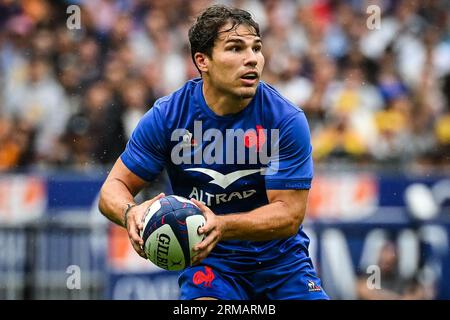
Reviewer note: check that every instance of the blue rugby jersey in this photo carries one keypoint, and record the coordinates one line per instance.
(227, 162)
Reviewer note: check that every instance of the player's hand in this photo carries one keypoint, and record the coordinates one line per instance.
(135, 224)
(213, 229)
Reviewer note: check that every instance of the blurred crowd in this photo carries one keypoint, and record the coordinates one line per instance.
(69, 98)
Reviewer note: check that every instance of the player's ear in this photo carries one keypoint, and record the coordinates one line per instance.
(201, 60)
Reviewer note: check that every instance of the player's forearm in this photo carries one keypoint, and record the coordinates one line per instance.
(273, 221)
(114, 197)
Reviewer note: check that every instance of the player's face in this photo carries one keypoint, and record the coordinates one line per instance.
(237, 62)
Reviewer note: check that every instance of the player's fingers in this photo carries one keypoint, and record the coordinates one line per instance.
(139, 219)
(211, 238)
(195, 260)
(150, 202)
(138, 249)
(202, 207)
(198, 258)
(207, 228)
(134, 236)
(209, 216)
(212, 223)
(205, 252)
(210, 248)
(136, 240)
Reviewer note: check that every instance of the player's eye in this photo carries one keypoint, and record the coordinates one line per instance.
(234, 48)
(257, 48)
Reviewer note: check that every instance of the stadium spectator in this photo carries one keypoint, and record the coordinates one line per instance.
(393, 286)
(135, 102)
(95, 134)
(41, 102)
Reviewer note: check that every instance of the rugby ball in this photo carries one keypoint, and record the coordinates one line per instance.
(171, 231)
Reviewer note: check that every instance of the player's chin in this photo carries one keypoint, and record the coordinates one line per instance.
(247, 92)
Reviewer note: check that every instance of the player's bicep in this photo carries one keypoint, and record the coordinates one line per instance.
(294, 202)
(120, 173)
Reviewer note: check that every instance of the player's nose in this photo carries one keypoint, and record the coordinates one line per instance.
(251, 58)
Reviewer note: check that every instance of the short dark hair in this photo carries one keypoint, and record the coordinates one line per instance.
(205, 30)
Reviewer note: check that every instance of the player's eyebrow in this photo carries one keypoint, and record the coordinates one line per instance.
(240, 41)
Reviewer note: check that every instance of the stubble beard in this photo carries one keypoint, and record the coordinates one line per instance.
(247, 93)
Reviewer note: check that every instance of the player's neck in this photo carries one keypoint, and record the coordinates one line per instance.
(223, 104)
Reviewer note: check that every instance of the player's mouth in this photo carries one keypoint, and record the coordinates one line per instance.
(250, 78)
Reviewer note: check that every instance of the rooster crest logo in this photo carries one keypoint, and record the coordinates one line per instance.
(312, 286)
(204, 277)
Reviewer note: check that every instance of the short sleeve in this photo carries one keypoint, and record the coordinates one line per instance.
(291, 167)
(145, 152)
